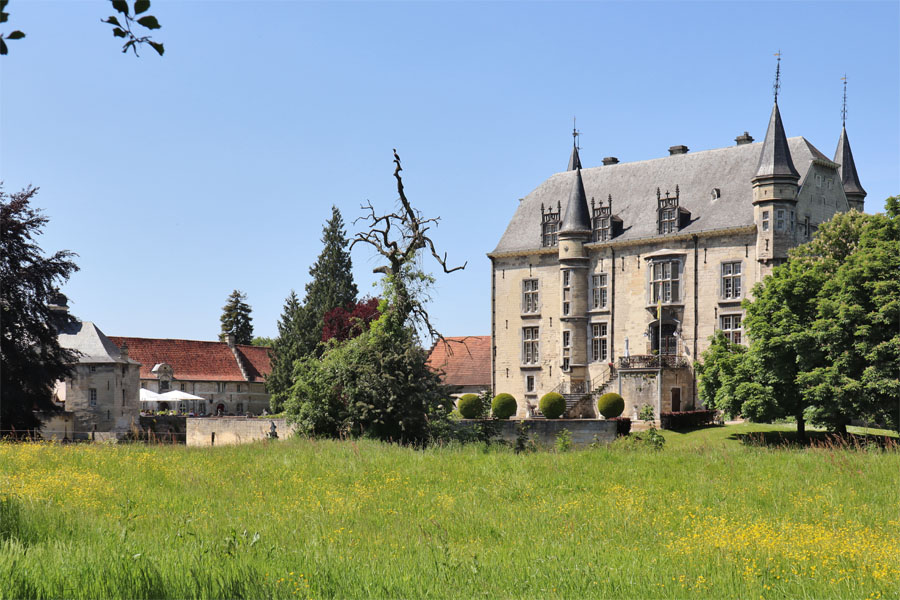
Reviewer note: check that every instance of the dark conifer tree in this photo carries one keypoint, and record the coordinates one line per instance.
(331, 286)
(32, 359)
(236, 318)
(285, 351)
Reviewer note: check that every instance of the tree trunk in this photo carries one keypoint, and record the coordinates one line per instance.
(801, 429)
(841, 429)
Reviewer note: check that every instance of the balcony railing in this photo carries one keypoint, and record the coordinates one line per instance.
(652, 361)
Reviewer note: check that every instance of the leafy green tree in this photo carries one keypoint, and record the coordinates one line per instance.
(32, 359)
(236, 318)
(824, 341)
(262, 341)
(378, 383)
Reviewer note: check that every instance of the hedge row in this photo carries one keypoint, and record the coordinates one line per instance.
(687, 419)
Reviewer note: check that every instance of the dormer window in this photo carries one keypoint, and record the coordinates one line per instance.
(670, 216)
(550, 226)
(604, 224)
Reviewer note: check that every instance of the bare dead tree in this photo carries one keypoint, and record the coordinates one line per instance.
(398, 237)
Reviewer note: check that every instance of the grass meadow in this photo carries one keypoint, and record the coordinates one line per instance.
(708, 516)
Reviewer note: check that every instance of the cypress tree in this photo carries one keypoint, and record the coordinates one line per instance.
(236, 318)
(285, 351)
(331, 285)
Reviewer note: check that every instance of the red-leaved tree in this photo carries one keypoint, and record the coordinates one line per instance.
(348, 321)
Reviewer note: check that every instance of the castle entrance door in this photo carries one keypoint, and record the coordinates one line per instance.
(676, 399)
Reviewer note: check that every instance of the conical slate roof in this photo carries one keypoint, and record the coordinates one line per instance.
(577, 217)
(844, 157)
(775, 157)
(574, 160)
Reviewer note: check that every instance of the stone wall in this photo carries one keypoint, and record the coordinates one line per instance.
(163, 428)
(217, 431)
(544, 431)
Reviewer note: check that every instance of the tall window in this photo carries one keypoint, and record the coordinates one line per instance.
(529, 383)
(779, 219)
(566, 292)
(765, 220)
(566, 349)
(731, 280)
(599, 291)
(92, 396)
(667, 220)
(550, 225)
(530, 296)
(530, 346)
(599, 342)
(793, 221)
(731, 326)
(664, 281)
(123, 397)
(667, 211)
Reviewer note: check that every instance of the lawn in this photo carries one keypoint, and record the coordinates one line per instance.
(708, 516)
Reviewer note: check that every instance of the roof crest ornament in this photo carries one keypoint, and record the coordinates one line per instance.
(777, 85)
(844, 106)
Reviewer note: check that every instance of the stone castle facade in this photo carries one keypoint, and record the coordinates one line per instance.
(613, 278)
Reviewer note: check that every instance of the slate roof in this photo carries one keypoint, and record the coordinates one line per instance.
(775, 158)
(92, 344)
(633, 189)
(193, 360)
(844, 157)
(465, 361)
(574, 160)
(576, 216)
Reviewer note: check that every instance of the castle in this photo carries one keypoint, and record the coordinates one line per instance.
(613, 278)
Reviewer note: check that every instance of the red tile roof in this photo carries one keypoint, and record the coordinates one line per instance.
(464, 360)
(193, 360)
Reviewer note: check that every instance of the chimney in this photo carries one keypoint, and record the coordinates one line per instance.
(123, 349)
(673, 150)
(229, 339)
(610, 160)
(744, 139)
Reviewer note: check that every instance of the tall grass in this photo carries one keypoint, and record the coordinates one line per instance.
(316, 519)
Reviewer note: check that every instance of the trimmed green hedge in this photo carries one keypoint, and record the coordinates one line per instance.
(504, 406)
(611, 405)
(469, 406)
(553, 405)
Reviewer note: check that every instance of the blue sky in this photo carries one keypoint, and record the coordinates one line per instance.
(178, 179)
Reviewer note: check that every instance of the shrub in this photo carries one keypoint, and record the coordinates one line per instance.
(469, 406)
(564, 441)
(623, 426)
(553, 405)
(687, 419)
(646, 413)
(611, 405)
(504, 406)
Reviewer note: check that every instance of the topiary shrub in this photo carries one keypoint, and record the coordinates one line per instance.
(553, 405)
(611, 405)
(469, 406)
(504, 406)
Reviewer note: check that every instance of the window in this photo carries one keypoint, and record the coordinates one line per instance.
(239, 387)
(143, 385)
(765, 220)
(806, 230)
(549, 233)
(163, 386)
(793, 221)
(530, 296)
(566, 292)
(530, 346)
(240, 408)
(123, 397)
(779, 219)
(183, 387)
(124, 370)
(529, 383)
(220, 387)
(731, 280)
(818, 180)
(598, 291)
(664, 277)
(731, 326)
(93, 369)
(667, 220)
(599, 342)
(566, 349)
(92, 396)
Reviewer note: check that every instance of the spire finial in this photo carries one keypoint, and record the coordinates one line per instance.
(575, 134)
(844, 106)
(777, 85)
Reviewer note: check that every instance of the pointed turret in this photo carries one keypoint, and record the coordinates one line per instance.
(577, 218)
(775, 157)
(853, 189)
(574, 160)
